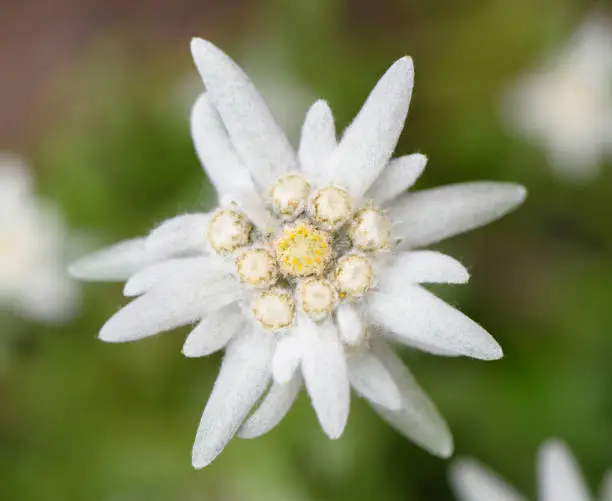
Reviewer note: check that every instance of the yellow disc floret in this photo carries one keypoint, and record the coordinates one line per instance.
(256, 267)
(229, 229)
(274, 309)
(353, 275)
(302, 250)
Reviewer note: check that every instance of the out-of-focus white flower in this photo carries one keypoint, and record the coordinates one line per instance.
(559, 476)
(308, 264)
(566, 105)
(33, 281)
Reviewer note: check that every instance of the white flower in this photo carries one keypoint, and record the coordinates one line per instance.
(32, 238)
(559, 477)
(566, 106)
(307, 265)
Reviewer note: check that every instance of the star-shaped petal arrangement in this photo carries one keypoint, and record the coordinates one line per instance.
(308, 266)
(559, 477)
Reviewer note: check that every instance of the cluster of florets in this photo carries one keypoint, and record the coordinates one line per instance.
(320, 256)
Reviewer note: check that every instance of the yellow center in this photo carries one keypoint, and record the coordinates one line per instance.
(302, 250)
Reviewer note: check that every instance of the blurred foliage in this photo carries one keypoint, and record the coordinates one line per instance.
(83, 420)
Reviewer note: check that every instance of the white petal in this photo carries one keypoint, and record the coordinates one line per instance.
(418, 315)
(325, 374)
(560, 478)
(398, 176)
(473, 482)
(182, 234)
(371, 379)
(286, 358)
(318, 140)
(368, 143)
(428, 216)
(214, 332)
(418, 267)
(418, 419)
(273, 408)
(146, 279)
(350, 324)
(257, 138)
(215, 151)
(244, 376)
(606, 488)
(182, 300)
(114, 263)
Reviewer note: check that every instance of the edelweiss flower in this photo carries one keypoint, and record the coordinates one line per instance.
(559, 476)
(567, 105)
(32, 235)
(307, 264)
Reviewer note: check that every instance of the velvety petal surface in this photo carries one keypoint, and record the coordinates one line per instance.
(398, 176)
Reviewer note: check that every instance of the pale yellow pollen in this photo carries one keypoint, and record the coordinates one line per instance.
(288, 195)
(331, 207)
(274, 309)
(257, 267)
(353, 275)
(302, 250)
(370, 230)
(228, 230)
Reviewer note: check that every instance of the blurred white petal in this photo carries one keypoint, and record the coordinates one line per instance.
(325, 374)
(272, 409)
(318, 140)
(182, 234)
(559, 475)
(471, 481)
(398, 176)
(418, 315)
(257, 138)
(244, 376)
(286, 357)
(425, 217)
(606, 488)
(368, 143)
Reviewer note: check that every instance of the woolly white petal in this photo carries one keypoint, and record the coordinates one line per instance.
(325, 374)
(350, 324)
(257, 138)
(371, 379)
(214, 332)
(179, 235)
(318, 140)
(473, 482)
(286, 358)
(419, 267)
(368, 143)
(418, 315)
(398, 176)
(418, 419)
(273, 408)
(560, 478)
(215, 150)
(428, 216)
(244, 376)
(179, 301)
(114, 263)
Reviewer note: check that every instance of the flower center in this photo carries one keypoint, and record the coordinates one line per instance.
(353, 275)
(370, 230)
(318, 297)
(228, 230)
(302, 250)
(331, 207)
(274, 309)
(288, 195)
(256, 267)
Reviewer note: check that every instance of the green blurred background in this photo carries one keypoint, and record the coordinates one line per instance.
(96, 95)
